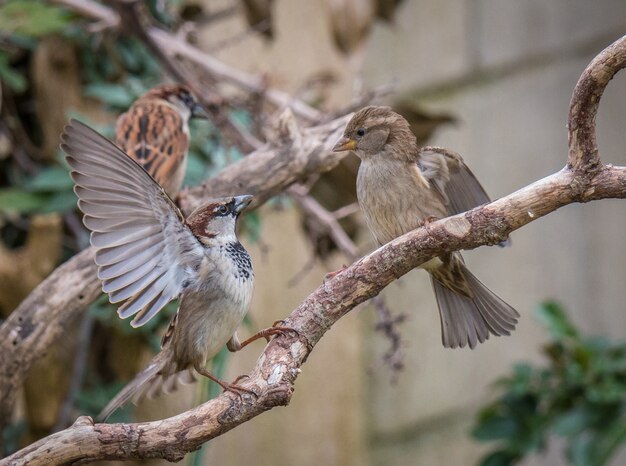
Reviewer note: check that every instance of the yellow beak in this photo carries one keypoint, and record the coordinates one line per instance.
(345, 144)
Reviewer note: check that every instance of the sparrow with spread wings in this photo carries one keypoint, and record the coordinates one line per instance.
(399, 188)
(148, 254)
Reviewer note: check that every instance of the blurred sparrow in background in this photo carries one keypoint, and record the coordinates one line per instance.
(149, 254)
(155, 133)
(399, 188)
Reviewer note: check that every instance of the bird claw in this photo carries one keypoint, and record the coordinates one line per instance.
(333, 274)
(242, 376)
(276, 330)
(238, 389)
(428, 220)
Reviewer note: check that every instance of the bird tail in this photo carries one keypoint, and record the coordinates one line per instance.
(148, 383)
(470, 319)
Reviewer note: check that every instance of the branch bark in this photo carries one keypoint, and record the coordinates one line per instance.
(583, 179)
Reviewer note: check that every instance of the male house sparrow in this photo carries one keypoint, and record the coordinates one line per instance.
(399, 188)
(155, 133)
(149, 254)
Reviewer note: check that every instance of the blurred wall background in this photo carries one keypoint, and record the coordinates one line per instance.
(501, 72)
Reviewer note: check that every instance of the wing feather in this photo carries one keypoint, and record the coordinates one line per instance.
(143, 250)
(131, 263)
(151, 279)
(108, 256)
(452, 178)
(104, 224)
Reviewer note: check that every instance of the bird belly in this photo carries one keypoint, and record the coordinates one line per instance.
(394, 199)
(205, 324)
(210, 313)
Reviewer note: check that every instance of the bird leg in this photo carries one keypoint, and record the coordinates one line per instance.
(234, 344)
(230, 387)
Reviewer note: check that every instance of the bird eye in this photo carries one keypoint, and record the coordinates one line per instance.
(360, 132)
(187, 98)
(222, 210)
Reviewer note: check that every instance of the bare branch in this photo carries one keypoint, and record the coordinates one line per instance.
(583, 147)
(326, 219)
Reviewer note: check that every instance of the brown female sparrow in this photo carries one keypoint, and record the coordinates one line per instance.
(148, 254)
(399, 188)
(155, 133)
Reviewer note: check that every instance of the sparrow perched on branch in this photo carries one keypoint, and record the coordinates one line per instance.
(399, 188)
(155, 133)
(148, 254)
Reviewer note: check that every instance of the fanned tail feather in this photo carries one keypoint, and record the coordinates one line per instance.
(147, 384)
(469, 321)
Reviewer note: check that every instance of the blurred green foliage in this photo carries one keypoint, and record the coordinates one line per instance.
(579, 396)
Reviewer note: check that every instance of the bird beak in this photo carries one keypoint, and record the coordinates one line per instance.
(345, 143)
(241, 202)
(198, 111)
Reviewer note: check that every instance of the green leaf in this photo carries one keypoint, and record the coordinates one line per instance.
(50, 179)
(32, 18)
(11, 436)
(579, 452)
(494, 426)
(16, 200)
(572, 422)
(552, 316)
(500, 458)
(14, 79)
(196, 168)
(63, 201)
(116, 95)
(607, 442)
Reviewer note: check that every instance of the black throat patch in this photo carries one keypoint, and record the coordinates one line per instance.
(240, 257)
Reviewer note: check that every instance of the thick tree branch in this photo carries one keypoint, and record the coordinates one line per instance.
(583, 147)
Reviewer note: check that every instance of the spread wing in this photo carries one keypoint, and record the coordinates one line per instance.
(143, 248)
(454, 181)
(154, 135)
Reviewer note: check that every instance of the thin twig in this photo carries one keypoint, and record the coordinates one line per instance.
(327, 220)
(239, 37)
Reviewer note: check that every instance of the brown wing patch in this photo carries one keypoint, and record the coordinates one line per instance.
(153, 134)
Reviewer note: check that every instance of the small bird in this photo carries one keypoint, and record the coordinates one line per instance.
(148, 254)
(400, 188)
(155, 133)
